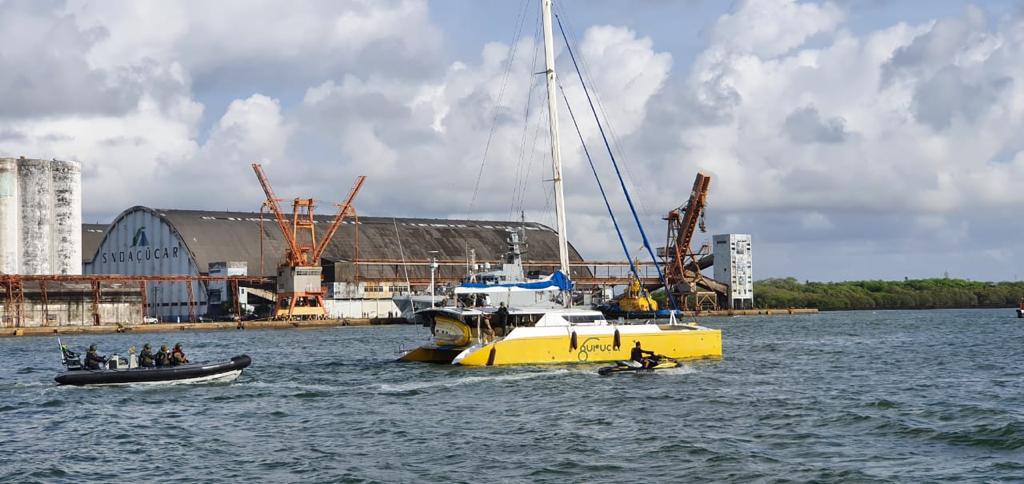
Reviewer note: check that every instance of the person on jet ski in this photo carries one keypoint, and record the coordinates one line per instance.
(146, 357)
(163, 357)
(178, 356)
(93, 360)
(637, 355)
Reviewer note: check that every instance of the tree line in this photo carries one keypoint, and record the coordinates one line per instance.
(908, 294)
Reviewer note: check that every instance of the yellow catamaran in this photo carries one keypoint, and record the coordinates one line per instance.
(465, 336)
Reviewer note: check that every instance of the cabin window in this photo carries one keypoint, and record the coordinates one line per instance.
(583, 318)
(524, 320)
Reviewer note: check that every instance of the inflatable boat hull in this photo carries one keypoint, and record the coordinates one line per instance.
(191, 373)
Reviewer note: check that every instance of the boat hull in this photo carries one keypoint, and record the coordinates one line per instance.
(594, 346)
(622, 367)
(192, 373)
(432, 354)
(677, 344)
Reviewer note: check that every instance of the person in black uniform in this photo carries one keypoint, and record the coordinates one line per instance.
(637, 355)
(93, 360)
(501, 319)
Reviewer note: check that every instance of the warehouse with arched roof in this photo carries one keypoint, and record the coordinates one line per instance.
(147, 241)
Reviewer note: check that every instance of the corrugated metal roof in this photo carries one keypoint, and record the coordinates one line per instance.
(235, 236)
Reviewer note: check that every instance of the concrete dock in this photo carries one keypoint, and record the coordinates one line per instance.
(169, 327)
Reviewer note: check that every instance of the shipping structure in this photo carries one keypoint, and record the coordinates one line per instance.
(734, 265)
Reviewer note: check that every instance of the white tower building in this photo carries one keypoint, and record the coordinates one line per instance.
(733, 266)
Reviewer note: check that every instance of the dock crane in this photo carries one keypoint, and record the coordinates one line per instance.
(683, 265)
(299, 290)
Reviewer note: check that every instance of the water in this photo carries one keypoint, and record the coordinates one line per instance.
(863, 396)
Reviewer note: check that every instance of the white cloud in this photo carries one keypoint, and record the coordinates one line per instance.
(812, 131)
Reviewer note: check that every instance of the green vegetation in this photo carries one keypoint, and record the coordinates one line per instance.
(911, 294)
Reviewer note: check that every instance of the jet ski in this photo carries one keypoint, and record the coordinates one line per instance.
(658, 363)
(117, 372)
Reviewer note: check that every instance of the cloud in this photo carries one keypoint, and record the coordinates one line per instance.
(874, 141)
(805, 125)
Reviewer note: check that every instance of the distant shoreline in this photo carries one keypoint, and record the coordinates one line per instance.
(910, 294)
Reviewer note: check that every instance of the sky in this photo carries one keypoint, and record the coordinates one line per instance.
(854, 139)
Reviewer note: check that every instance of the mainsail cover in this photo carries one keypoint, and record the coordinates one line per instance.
(557, 281)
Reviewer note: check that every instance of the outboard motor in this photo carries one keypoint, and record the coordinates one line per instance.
(114, 362)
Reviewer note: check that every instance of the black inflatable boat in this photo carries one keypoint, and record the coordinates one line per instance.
(190, 373)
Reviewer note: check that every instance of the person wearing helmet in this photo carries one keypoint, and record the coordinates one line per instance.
(146, 357)
(178, 356)
(93, 360)
(163, 357)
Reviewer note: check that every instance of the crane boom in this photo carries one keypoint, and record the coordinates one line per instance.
(343, 210)
(693, 210)
(294, 257)
(683, 264)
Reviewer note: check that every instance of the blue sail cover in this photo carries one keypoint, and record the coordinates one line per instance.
(557, 280)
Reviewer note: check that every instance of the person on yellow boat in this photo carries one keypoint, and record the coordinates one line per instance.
(637, 355)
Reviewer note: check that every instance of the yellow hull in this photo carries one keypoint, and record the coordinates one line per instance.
(675, 343)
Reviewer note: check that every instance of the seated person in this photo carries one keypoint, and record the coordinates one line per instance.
(93, 360)
(146, 357)
(133, 357)
(163, 357)
(637, 355)
(178, 356)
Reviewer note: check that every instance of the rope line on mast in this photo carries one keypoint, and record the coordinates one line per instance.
(600, 185)
(501, 94)
(523, 171)
(616, 143)
(629, 199)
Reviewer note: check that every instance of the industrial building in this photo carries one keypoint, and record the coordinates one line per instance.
(366, 262)
(733, 262)
(40, 216)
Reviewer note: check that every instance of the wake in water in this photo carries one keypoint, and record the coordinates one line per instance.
(679, 370)
(469, 380)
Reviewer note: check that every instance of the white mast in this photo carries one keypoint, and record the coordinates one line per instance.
(556, 157)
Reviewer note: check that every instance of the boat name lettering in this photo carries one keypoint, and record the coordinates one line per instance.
(593, 344)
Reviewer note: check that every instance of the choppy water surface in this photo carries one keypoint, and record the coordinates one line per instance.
(908, 396)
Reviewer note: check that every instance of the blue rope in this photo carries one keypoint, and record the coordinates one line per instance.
(600, 186)
(622, 183)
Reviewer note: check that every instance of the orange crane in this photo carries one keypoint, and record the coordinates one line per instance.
(299, 289)
(683, 265)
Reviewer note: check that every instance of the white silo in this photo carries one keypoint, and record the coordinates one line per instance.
(66, 244)
(9, 215)
(36, 202)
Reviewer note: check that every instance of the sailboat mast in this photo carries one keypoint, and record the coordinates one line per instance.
(556, 156)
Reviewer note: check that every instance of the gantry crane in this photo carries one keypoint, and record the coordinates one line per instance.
(299, 290)
(683, 265)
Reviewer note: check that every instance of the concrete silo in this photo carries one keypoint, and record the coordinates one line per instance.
(9, 216)
(66, 242)
(36, 200)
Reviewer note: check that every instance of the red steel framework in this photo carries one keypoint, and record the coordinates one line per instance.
(14, 286)
(302, 251)
(682, 273)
